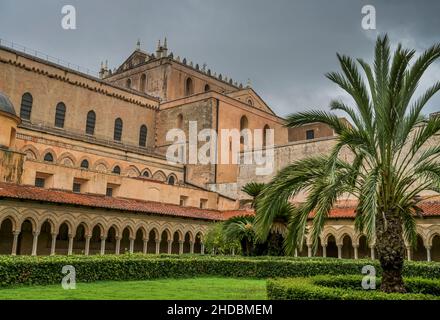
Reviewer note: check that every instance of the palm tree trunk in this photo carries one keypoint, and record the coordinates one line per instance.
(391, 251)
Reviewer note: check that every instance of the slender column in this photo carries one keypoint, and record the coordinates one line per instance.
(180, 247)
(372, 253)
(202, 248)
(157, 246)
(70, 250)
(131, 245)
(35, 242)
(309, 251)
(355, 248)
(118, 245)
(144, 249)
(103, 245)
(15, 242)
(339, 251)
(191, 247)
(170, 246)
(428, 253)
(53, 244)
(408, 253)
(296, 253)
(324, 251)
(87, 248)
(233, 251)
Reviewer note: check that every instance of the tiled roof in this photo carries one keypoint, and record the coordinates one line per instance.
(346, 210)
(14, 191)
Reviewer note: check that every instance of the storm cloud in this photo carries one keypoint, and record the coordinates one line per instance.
(283, 47)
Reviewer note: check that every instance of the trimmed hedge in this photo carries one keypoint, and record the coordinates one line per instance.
(347, 287)
(47, 270)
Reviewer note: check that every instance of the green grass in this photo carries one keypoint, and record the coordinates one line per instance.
(163, 289)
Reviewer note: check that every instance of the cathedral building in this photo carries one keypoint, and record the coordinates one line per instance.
(83, 166)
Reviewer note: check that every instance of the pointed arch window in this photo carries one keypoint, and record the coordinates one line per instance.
(26, 106)
(143, 136)
(189, 87)
(117, 134)
(60, 114)
(48, 157)
(84, 164)
(116, 170)
(90, 123)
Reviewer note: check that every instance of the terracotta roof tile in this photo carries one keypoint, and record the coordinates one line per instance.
(346, 210)
(8, 190)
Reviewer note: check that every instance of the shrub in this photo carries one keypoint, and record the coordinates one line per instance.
(348, 287)
(47, 270)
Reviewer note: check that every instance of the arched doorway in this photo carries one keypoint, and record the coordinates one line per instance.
(175, 244)
(25, 239)
(151, 244)
(435, 248)
(419, 251)
(364, 251)
(187, 243)
(44, 239)
(62, 244)
(332, 248)
(163, 247)
(198, 243)
(125, 241)
(79, 241)
(139, 241)
(110, 241)
(95, 240)
(347, 248)
(6, 236)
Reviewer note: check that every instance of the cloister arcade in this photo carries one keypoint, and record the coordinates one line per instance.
(32, 229)
(341, 241)
(33, 233)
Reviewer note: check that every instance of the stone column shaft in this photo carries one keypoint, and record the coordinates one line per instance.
(15, 242)
(35, 243)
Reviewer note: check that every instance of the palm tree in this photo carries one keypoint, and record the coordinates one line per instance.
(392, 161)
(253, 189)
(241, 228)
(269, 228)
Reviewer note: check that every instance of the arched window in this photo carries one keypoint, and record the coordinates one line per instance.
(128, 83)
(117, 135)
(146, 174)
(84, 164)
(207, 88)
(180, 121)
(143, 136)
(265, 130)
(60, 114)
(250, 102)
(243, 125)
(171, 180)
(90, 124)
(48, 157)
(189, 87)
(26, 106)
(116, 170)
(143, 86)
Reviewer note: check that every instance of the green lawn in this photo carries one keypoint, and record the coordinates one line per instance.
(195, 288)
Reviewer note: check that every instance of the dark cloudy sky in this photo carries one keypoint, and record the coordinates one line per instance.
(284, 46)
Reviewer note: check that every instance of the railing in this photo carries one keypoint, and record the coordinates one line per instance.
(47, 57)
